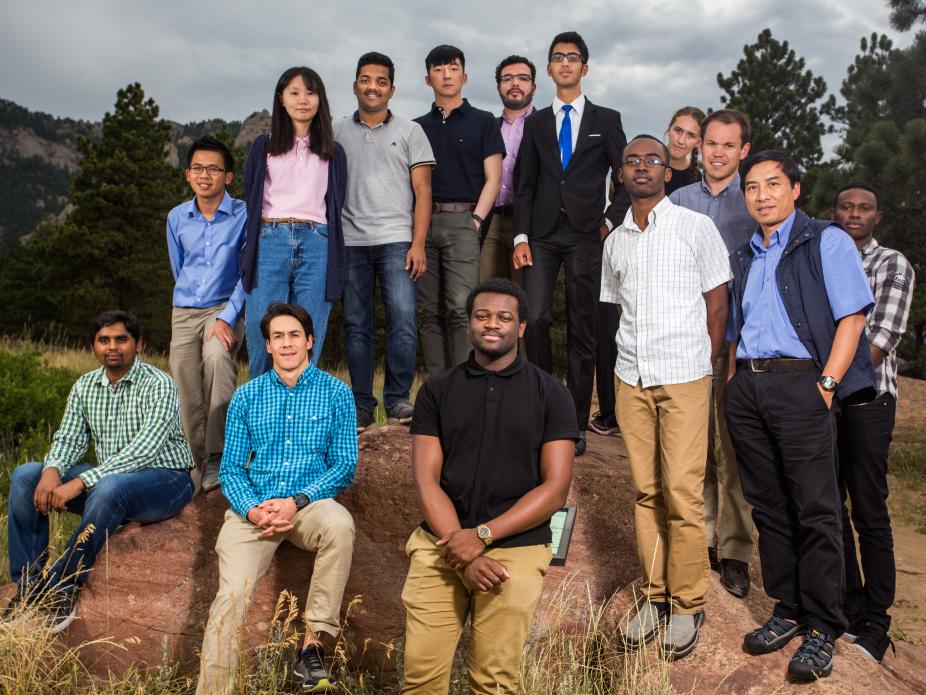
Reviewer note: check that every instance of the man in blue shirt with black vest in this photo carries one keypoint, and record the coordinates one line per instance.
(797, 320)
(204, 236)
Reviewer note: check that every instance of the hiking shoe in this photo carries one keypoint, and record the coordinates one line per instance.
(772, 636)
(310, 672)
(16, 604)
(581, 444)
(645, 625)
(364, 419)
(681, 635)
(712, 558)
(401, 411)
(210, 479)
(603, 424)
(872, 641)
(60, 609)
(814, 658)
(734, 577)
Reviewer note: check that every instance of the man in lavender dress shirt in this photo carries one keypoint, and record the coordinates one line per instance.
(204, 236)
(514, 77)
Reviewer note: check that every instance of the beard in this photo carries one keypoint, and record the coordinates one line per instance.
(516, 104)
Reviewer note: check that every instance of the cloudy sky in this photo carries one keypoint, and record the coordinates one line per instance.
(200, 60)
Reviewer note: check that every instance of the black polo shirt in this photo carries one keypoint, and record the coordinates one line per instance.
(460, 143)
(491, 427)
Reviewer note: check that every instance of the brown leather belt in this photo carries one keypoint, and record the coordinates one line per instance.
(503, 210)
(286, 220)
(777, 364)
(453, 207)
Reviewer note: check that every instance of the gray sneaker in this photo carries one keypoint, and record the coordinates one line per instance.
(210, 479)
(642, 628)
(403, 411)
(681, 635)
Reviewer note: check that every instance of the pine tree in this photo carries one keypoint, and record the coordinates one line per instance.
(780, 97)
(906, 13)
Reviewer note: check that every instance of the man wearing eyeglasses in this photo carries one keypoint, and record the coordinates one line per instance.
(204, 236)
(515, 78)
(667, 267)
(565, 155)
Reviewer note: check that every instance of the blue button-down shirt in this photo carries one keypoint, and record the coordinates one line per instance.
(727, 209)
(281, 440)
(767, 330)
(204, 256)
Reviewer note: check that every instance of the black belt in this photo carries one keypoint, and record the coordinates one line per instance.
(503, 210)
(777, 364)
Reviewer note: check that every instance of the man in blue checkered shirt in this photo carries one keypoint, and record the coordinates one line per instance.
(290, 448)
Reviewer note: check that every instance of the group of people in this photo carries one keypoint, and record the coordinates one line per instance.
(753, 350)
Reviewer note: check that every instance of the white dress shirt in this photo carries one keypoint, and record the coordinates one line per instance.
(575, 116)
(659, 276)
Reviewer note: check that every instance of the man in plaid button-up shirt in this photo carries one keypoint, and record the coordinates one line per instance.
(290, 447)
(131, 413)
(865, 428)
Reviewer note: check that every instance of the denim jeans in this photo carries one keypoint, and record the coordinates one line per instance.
(366, 264)
(292, 266)
(145, 496)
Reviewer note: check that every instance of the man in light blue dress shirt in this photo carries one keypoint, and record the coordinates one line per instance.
(204, 236)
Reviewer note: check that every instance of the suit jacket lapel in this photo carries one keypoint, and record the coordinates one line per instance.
(550, 129)
(585, 127)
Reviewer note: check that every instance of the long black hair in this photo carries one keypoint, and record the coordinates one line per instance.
(321, 134)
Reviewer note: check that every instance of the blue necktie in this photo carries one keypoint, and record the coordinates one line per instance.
(565, 137)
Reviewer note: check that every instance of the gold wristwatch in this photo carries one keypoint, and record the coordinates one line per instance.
(485, 535)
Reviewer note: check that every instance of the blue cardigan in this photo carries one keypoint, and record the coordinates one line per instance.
(255, 173)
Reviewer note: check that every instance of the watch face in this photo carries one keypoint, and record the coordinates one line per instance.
(828, 383)
(482, 532)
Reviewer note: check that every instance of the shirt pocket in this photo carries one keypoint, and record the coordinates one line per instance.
(317, 431)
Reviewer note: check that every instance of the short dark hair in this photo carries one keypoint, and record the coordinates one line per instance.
(569, 37)
(110, 318)
(374, 58)
(785, 163)
(729, 117)
(859, 185)
(644, 136)
(514, 60)
(211, 144)
(444, 55)
(499, 286)
(283, 309)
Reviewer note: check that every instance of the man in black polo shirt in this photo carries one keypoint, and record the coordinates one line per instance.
(492, 462)
(468, 147)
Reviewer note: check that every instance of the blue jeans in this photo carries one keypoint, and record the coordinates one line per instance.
(364, 265)
(292, 266)
(145, 496)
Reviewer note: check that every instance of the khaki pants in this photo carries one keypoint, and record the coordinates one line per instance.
(665, 432)
(437, 601)
(496, 259)
(727, 515)
(325, 528)
(206, 374)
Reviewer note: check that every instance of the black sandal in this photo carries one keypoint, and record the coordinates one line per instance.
(772, 636)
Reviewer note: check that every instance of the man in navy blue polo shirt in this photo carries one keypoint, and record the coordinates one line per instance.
(797, 320)
(468, 147)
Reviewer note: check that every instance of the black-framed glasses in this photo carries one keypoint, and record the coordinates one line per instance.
(651, 162)
(212, 169)
(570, 57)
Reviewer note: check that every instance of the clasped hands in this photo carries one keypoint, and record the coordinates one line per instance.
(463, 550)
(273, 516)
(51, 493)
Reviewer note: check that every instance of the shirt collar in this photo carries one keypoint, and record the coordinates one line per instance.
(463, 109)
(389, 117)
(225, 207)
(662, 207)
(130, 377)
(473, 368)
(520, 118)
(870, 247)
(779, 237)
(734, 183)
(304, 378)
(578, 105)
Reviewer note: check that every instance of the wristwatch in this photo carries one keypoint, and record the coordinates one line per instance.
(485, 535)
(301, 499)
(827, 383)
(479, 220)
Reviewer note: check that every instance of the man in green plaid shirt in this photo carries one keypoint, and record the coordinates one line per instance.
(131, 413)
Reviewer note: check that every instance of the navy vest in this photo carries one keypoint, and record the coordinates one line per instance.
(803, 292)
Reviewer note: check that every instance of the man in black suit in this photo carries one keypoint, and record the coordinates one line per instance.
(564, 158)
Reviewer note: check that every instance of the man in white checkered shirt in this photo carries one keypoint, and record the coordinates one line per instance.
(865, 428)
(667, 268)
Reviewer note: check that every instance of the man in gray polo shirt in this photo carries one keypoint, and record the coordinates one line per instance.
(385, 216)
(725, 139)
